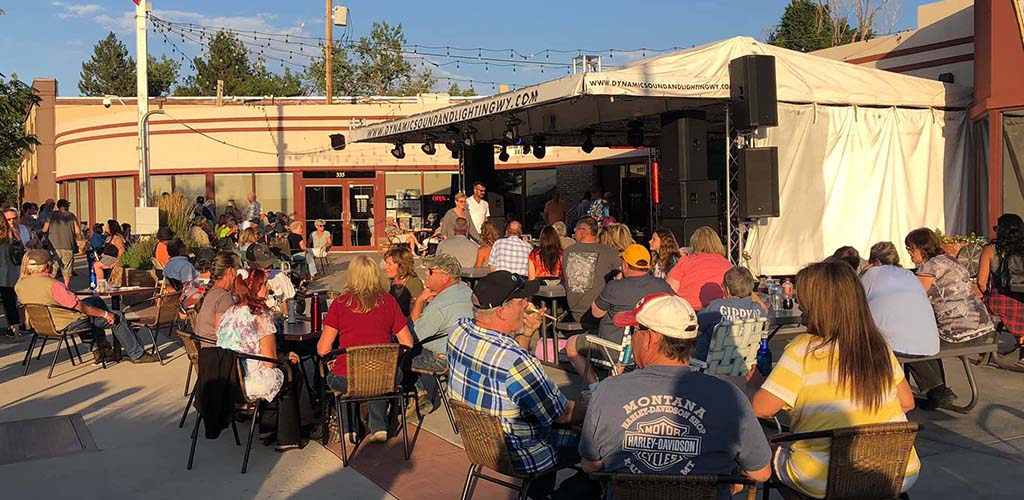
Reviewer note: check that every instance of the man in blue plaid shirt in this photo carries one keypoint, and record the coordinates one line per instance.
(492, 373)
(511, 253)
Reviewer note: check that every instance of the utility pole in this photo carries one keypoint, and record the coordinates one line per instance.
(142, 8)
(329, 52)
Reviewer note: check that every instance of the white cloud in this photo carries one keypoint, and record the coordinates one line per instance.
(75, 10)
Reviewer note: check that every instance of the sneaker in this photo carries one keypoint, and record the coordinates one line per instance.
(379, 437)
(938, 398)
(146, 358)
(281, 448)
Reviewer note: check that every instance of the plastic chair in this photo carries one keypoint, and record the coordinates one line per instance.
(609, 347)
(866, 461)
(40, 319)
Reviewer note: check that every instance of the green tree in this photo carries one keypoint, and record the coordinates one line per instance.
(16, 100)
(375, 65)
(227, 59)
(454, 90)
(111, 71)
(807, 26)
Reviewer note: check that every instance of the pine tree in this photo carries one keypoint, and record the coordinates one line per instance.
(454, 90)
(109, 71)
(806, 26)
(162, 75)
(227, 59)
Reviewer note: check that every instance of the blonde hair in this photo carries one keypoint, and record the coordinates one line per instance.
(460, 196)
(488, 234)
(616, 236)
(363, 284)
(706, 240)
(248, 236)
(295, 226)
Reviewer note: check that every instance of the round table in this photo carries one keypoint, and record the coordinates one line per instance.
(299, 337)
(473, 274)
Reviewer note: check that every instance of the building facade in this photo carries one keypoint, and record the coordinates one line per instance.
(280, 150)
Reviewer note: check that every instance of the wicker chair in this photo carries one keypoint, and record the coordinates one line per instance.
(165, 316)
(256, 405)
(733, 347)
(192, 346)
(867, 461)
(372, 374)
(485, 446)
(670, 487)
(40, 319)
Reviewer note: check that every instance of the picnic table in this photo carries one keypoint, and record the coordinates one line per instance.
(777, 320)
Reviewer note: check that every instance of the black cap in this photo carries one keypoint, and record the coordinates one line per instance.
(260, 254)
(164, 234)
(497, 288)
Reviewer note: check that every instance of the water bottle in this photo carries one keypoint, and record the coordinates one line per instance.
(777, 298)
(293, 314)
(92, 271)
(764, 356)
(314, 313)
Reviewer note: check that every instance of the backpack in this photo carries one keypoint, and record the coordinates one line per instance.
(16, 251)
(1010, 272)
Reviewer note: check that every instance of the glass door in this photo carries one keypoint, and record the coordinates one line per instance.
(325, 202)
(359, 215)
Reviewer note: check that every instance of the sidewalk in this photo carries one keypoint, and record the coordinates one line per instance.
(132, 411)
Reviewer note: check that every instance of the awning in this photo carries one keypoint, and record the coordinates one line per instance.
(606, 102)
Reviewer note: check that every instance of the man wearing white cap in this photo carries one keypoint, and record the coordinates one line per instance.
(664, 417)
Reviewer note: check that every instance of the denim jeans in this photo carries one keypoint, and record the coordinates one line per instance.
(120, 328)
(378, 410)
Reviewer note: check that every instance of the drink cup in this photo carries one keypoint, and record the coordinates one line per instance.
(101, 286)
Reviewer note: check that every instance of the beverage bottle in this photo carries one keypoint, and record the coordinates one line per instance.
(764, 356)
(627, 348)
(787, 287)
(314, 314)
(92, 271)
(293, 314)
(777, 298)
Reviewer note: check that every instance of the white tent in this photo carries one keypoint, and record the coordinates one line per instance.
(865, 155)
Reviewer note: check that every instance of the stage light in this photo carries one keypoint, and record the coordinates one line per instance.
(398, 151)
(337, 142)
(428, 147)
(588, 141)
(469, 137)
(511, 134)
(503, 155)
(526, 149)
(539, 147)
(635, 135)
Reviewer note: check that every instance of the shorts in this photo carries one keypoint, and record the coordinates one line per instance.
(107, 260)
(590, 350)
(65, 261)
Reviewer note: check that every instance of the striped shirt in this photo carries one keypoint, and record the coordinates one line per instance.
(491, 373)
(810, 390)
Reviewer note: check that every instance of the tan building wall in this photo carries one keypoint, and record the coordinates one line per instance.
(943, 43)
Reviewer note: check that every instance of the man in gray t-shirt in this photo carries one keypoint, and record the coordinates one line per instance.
(665, 418)
(459, 245)
(584, 267)
(63, 232)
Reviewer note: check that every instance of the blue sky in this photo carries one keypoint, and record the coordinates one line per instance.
(46, 38)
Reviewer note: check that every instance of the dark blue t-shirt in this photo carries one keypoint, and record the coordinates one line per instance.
(733, 309)
(672, 420)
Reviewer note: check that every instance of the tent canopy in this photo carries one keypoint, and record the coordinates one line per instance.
(697, 78)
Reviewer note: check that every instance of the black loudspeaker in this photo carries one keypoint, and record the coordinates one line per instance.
(752, 92)
(758, 186)
(479, 163)
(684, 228)
(689, 199)
(684, 152)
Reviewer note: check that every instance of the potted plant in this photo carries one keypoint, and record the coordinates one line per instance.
(137, 261)
(952, 244)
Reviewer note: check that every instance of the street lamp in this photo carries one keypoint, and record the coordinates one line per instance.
(144, 173)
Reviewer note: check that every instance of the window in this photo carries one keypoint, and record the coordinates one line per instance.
(439, 182)
(104, 190)
(190, 185)
(274, 192)
(158, 185)
(72, 195)
(84, 203)
(232, 187)
(125, 200)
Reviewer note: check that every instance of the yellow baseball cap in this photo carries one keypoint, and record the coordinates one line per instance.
(637, 256)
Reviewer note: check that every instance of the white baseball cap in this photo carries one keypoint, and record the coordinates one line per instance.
(665, 313)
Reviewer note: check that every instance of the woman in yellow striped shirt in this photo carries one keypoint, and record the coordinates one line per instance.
(840, 374)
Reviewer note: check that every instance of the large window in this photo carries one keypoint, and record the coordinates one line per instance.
(190, 185)
(274, 192)
(158, 185)
(125, 200)
(104, 190)
(232, 187)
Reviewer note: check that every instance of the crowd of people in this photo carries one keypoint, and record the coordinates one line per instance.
(859, 316)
